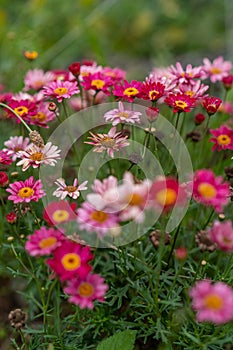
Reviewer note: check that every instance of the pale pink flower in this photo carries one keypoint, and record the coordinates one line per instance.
(111, 142)
(43, 115)
(217, 69)
(221, 233)
(37, 78)
(60, 89)
(83, 292)
(196, 90)
(72, 191)
(36, 156)
(25, 191)
(212, 301)
(187, 76)
(16, 144)
(122, 115)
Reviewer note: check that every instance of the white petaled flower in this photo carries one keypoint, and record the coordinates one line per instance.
(122, 115)
(16, 144)
(35, 156)
(72, 191)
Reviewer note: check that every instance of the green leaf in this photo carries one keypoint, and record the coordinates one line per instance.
(122, 340)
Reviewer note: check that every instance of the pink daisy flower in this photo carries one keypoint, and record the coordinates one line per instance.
(70, 260)
(37, 78)
(180, 102)
(223, 138)
(211, 104)
(111, 142)
(44, 241)
(97, 82)
(196, 90)
(228, 82)
(221, 233)
(187, 76)
(4, 179)
(5, 157)
(128, 90)
(23, 108)
(152, 91)
(16, 144)
(25, 191)
(217, 69)
(116, 74)
(212, 301)
(226, 108)
(36, 156)
(84, 292)
(59, 212)
(122, 115)
(60, 89)
(42, 117)
(93, 220)
(210, 190)
(72, 191)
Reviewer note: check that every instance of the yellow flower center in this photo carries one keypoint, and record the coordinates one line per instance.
(130, 91)
(135, 199)
(99, 216)
(85, 289)
(108, 142)
(71, 261)
(38, 84)
(181, 104)
(25, 192)
(37, 156)
(215, 70)
(47, 242)
(21, 110)
(189, 93)
(166, 197)
(98, 83)
(153, 94)
(60, 91)
(223, 139)
(213, 301)
(123, 115)
(70, 189)
(60, 215)
(39, 116)
(207, 190)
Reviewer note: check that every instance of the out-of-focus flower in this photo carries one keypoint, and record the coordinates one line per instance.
(195, 90)
(217, 69)
(187, 76)
(11, 218)
(228, 81)
(30, 55)
(211, 104)
(223, 138)
(72, 191)
(16, 144)
(4, 179)
(181, 253)
(26, 191)
(221, 233)
(59, 212)
(199, 118)
(122, 115)
(37, 78)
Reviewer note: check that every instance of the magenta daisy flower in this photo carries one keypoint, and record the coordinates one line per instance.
(72, 191)
(122, 115)
(116, 74)
(212, 301)
(210, 190)
(228, 82)
(128, 90)
(93, 220)
(59, 212)
(223, 138)
(221, 233)
(70, 260)
(152, 91)
(111, 142)
(196, 90)
(16, 144)
(23, 108)
(217, 69)
(4, 179)
(211, 104)
(5, 158)
(84, 292)
(180, 102)
(98, 82)
(44, 241)
(42, 117)
(36, 156)
(187, 76)
(37, 78)
(25, 191)
(60, 89)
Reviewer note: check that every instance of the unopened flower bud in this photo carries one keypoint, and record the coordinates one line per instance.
(52, 107)
(17, 318)
(36, 138)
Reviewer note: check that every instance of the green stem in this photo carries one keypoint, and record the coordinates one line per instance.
(208, 220)
(23, 339)
(16, 114)
(173, 244)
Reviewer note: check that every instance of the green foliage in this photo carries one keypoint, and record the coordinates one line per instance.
(121, 340)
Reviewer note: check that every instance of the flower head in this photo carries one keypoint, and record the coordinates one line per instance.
(72, 191)
(98, 82)
(70, 260)
(180, 102)
(221, 233)
(110, 142)
(84, 292)
(217, 69)
(59, 212)
(5, 157)
(23, 108)
(11, 217)
(152, 91)
(4, 179)
(211, 104)
(223, 138)
(212, 301)
(128, 90)
(187, 76)
(25, 191)
(210, 190)
(60, 89)
(16, 144)
(122, 115)
(37, 78)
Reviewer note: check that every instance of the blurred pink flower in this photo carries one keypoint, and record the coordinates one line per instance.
(217, 69)
(16, 144)
(37, 78)
(223, 138)
(221, 233)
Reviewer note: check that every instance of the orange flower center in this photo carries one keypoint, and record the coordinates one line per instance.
(181, 104)
(47, 242)
(189, 93)
(223, 139)
(153, 94)
(213, 301)
(108, 142)
(37, 156)
(215, 70)
(98, 83)
(99, 216)
(60, 216)
(207, 190)
(135, 199)
(71, 261)
(70, 189)
(39, 116)
(85, 289)
(130, 91)
(60, 91)
(25, 192)
(123, 115)
(166, 197)
(21, 110)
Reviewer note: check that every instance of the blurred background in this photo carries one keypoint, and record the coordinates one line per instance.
(133, 35)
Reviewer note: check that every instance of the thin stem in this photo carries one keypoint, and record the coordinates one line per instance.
(173, 244)
(16, 114)
(208, 220)
(23, 339)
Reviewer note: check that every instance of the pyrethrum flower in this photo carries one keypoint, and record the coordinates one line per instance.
(44, 241)
(187, 76)
(180, 102)
(59, 212)
(210, 190)
(212, 301)
(25, 191)
(111, 142)
(60, 89)
(128, 90)
(211, 104)
(217, 69)
(72, 191)
(70, 260)
(223, 138)
(4, 179)
(152, 91)
(221, 233)
(84, 292)
(122, 115)
(5, 158)
(37, 78)
(16, 144)
(36, 156)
